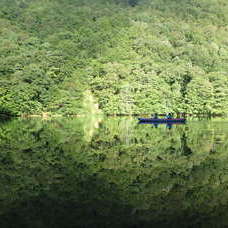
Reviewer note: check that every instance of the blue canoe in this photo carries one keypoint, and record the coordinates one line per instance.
(152, 120)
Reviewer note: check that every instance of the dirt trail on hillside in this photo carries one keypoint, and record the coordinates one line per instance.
(90, 104)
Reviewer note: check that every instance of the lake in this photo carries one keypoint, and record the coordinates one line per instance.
(113, 172)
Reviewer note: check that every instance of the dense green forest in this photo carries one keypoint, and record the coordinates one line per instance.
(123, 56)
(69, 173)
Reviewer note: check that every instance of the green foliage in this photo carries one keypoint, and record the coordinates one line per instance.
(72, 173)
(136, 56)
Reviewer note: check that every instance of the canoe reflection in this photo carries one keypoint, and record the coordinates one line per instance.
(168, 125)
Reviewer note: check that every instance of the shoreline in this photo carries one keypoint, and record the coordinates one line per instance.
(50, 115)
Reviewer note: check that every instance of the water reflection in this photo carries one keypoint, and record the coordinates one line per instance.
(156, 125)
(113, 173)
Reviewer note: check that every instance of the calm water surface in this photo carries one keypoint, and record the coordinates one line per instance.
(113, 172)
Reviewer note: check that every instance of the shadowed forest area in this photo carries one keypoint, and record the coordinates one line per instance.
(56, 173)
(130, 56)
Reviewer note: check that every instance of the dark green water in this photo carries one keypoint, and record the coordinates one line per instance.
(113, 173)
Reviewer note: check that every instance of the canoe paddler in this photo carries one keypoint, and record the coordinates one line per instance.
(169, 116)
(155, 116)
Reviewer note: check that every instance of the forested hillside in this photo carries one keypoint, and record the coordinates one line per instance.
(131, 56)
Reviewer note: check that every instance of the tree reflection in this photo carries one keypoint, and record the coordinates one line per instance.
(55, 174)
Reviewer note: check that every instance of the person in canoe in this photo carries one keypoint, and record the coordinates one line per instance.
(169, 116)
(155, 116)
